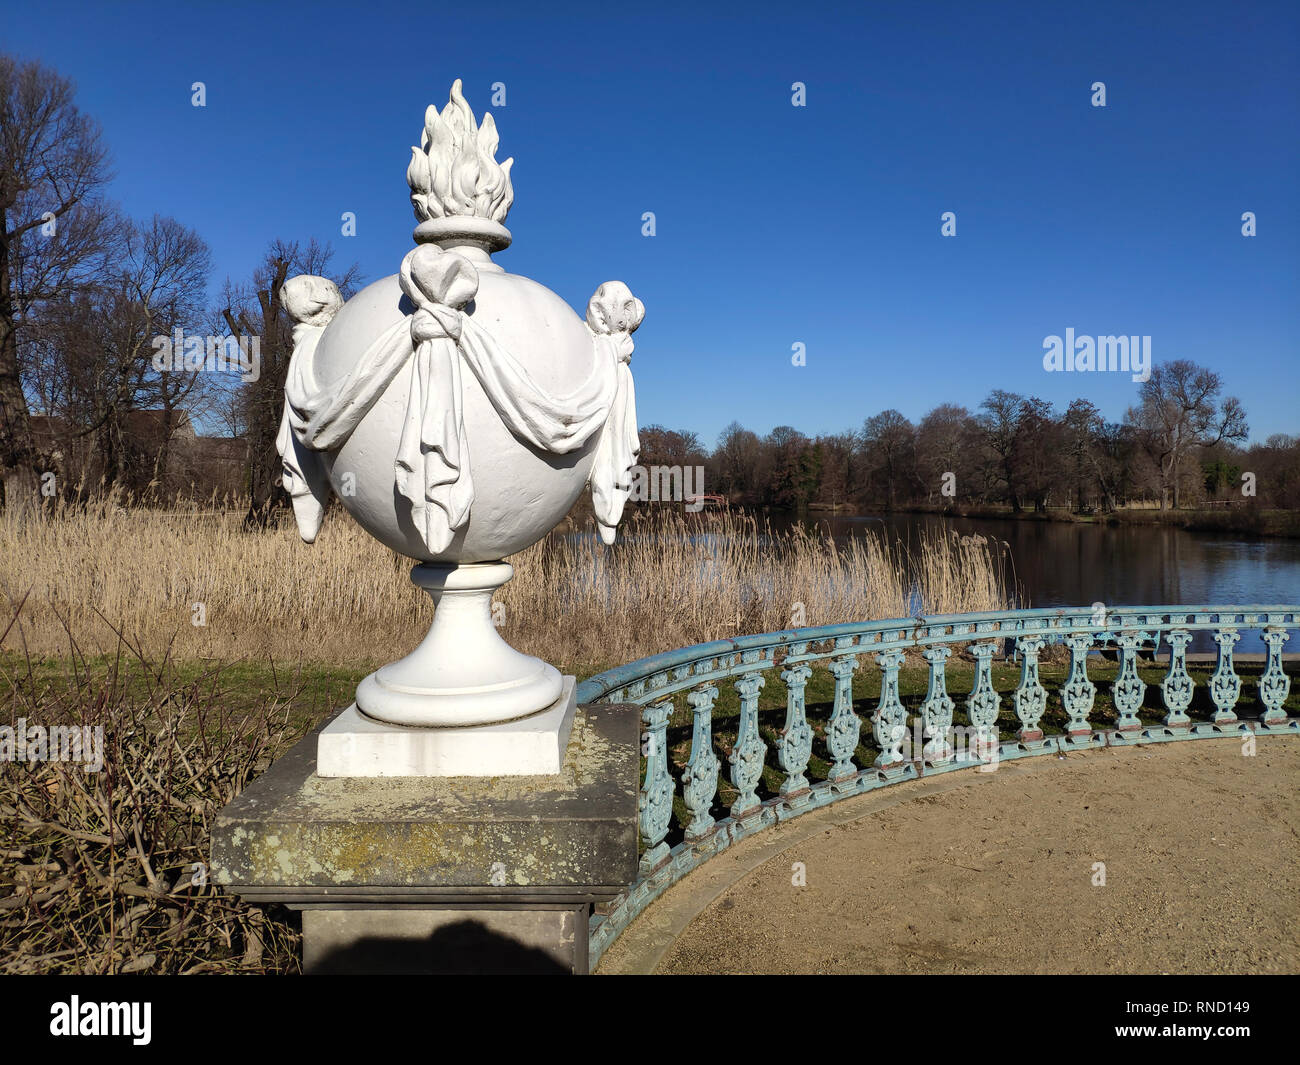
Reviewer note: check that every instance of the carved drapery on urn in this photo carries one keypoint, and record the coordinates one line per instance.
(312, 302)
(613, 315)
(431, 470)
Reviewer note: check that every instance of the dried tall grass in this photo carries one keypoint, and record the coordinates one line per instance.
(98, 870)
(955, 574)
(103, 868)
(671, 581)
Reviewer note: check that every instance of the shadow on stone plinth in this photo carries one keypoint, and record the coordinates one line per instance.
(462, 947)
(413, 875)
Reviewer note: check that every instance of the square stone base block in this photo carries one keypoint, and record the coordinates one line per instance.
(424, 874)
(354, 745)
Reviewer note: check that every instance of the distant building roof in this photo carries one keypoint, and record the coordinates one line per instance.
(225, 448)
(155, 422)
(138, 423)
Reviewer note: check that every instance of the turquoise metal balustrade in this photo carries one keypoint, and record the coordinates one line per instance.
(693, 676)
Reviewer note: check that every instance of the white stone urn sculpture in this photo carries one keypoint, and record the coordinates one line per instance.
(458, 411)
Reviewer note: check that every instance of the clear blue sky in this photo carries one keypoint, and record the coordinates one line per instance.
(776, 224)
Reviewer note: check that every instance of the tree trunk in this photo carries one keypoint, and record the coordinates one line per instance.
(17, 449)
(265, 491)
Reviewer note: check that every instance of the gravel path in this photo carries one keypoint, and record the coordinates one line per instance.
(994, 873)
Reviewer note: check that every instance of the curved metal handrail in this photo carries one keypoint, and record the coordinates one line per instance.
(672, 671)
(653, 683)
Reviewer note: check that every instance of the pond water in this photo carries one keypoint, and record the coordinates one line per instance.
(1078, 564)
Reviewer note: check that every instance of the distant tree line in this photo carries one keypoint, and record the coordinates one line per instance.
(1181, 444)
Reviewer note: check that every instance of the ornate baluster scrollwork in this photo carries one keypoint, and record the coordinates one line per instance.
(844, 727)
(1176, 688)
(700, 777)
(984, 703)
(747, 754)
(1225, 685)
(889, 721)
(936, 711)
(794, 747)
(1078, 694)
(1128, 691)
(1274, 684)
(656, 800)
(1030, 697)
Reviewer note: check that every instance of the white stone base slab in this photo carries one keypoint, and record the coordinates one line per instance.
(353, 745)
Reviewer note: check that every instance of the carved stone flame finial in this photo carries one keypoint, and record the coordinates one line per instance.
(454, 172)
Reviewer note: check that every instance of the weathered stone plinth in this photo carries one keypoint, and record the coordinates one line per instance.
(442, 874)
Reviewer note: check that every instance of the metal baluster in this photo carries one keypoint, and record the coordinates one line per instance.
(1274, 684)
(984, 703)
(1176, 688)
(794, 747)
(1225, 685)
(700, 777)
(1079, 694)
(1128, 690)
(1029, 698)
(936, 711)
(844, 727)
(656, 800)
(747, 755)
(889, 722)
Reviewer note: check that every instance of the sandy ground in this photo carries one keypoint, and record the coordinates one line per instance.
(994, 873)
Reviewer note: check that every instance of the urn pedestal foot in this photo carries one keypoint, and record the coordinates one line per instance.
(354, 745)
(463, 672)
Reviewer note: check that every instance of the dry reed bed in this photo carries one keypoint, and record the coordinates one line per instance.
(670, 582)
(98, 870)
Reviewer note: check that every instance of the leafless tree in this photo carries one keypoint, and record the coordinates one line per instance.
(943, 445)
(254, 310)
(733, 467)
(838, 464)
(999, 425)
(52, 167)
(1037, 451)
(97, 345)
(1179, 412)
(889, 448)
